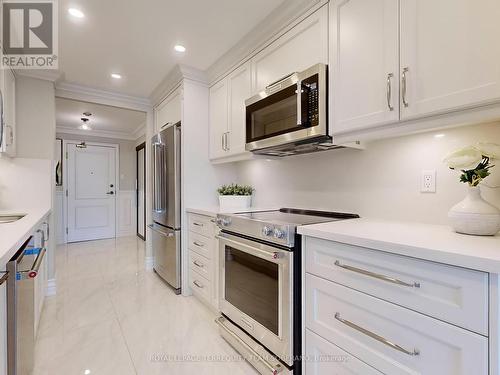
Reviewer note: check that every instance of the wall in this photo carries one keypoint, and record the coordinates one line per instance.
(382, 181)
(127, 156)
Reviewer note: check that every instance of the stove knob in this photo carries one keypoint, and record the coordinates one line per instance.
(267, 231)
(226, 222)
(279, 233)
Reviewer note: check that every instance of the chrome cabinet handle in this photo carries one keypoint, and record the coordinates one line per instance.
(389, 91)
(197, 224)
(48, 230)
(198, 244)
(377, 275)
(5, 276)
(228, 146)
(375, 336)
(198, 264)
(222, 142)
(198, 284)
(403, 88)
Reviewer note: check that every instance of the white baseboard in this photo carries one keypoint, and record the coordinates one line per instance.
(51, 288)
(149, 261)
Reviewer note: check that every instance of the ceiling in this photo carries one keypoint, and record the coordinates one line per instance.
(105, 120)
(136, 38)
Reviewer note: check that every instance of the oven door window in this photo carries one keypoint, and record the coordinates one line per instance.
(252, 286)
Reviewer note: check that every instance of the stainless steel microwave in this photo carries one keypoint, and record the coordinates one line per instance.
(290, 115)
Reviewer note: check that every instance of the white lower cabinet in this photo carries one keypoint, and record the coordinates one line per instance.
(390, 338)
(323, 357)
(203, 259)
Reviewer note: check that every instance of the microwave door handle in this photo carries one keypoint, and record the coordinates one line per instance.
(299, 103)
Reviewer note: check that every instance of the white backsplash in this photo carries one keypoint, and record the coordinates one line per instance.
(382, 181)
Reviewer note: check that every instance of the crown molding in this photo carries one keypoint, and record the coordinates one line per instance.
(97, 133)
(174, 78)
(93, 95)
(140, 131)
(278, 22)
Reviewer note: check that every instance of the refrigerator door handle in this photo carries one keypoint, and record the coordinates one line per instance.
(163, 233)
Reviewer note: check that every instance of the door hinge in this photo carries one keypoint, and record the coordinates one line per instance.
(66, 230)
(66, 192)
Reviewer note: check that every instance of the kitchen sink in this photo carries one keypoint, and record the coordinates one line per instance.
(10, 218)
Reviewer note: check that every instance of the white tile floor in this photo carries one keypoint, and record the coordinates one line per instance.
(111, 316)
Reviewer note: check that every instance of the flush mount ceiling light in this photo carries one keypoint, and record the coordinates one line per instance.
(180, 48)
(439, 135)
(84, 126)
(76, 12)
(116, 75)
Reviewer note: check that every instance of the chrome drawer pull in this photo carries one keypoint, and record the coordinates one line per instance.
(403, 85)
(376, 337)
(389, 91)
(4, 277)
(197, 224)
(377, 275)
(198, 264)
(198, 284)
(198, 244)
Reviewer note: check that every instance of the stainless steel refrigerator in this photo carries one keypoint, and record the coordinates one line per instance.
(166, 227)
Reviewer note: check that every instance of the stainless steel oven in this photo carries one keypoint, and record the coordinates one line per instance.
(292, 111)
(256, 291)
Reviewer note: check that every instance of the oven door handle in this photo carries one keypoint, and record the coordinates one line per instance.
(271, 256)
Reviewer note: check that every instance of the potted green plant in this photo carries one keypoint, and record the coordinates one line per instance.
(235, 197)
(474, 215)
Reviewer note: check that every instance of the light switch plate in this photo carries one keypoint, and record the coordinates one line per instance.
(428, 181)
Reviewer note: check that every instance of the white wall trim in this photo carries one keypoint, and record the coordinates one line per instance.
(51, 288)
(97, 133)
(126, 213)
(140, 131)
(51, 75)
(93, 95)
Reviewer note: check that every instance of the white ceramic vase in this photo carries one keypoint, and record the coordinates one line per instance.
(474, 215)
(234, 203)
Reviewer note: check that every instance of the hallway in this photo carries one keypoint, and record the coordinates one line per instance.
(112, 316)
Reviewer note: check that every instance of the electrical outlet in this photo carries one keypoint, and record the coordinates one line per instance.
(428, 181)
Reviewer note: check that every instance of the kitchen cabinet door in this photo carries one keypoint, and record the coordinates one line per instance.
(9, 112)
(303, 46)
(168, 111)
(364, 64)
(218, 119)
(239, 88)
(449, 55)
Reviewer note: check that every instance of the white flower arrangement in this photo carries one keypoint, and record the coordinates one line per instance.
(473, 161)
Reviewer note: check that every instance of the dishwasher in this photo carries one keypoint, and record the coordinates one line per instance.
(25, 265)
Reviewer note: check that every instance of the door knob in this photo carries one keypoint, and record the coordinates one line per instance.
(110, 192)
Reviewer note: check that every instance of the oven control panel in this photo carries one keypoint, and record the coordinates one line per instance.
(275, 232)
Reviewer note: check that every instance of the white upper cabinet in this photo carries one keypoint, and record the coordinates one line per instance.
(303, 46)
(239, 88)
(451, 52)
(364, 56)
(218, 119)
(8, 98)
(168, 112)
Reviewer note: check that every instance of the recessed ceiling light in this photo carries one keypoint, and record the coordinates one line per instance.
(76, 12)
(87, 372)
(180, 48)
(85, 127)
(116, 75)
(438, 135)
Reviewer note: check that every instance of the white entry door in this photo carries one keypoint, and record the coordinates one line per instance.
(91, 192)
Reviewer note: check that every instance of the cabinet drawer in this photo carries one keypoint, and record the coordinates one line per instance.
(201, 244)
(202, 225)
(201, 264)
(200, 285)
(455, 295)
(359, 324)
(324, 358)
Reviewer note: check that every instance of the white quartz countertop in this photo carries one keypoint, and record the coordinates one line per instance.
(436, 243)
(13, 235)
(213, 211)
